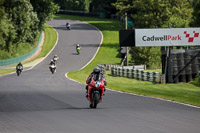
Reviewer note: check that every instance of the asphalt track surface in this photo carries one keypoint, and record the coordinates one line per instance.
(40, 102)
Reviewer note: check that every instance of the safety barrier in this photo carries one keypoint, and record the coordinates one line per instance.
(18, 59)
(104, 67)
(133, 72)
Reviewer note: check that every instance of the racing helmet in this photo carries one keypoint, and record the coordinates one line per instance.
(96, 70)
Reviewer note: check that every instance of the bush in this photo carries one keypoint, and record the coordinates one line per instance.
(4, 55)
(149, 56)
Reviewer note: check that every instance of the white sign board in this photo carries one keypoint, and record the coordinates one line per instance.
(167, 37)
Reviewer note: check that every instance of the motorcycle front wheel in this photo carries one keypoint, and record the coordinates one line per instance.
(18, 72)
(91, 106)
(96, 98)
(52, 71)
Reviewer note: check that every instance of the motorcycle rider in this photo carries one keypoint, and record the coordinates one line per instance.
(19, 67)
(55, 58)
(97, 72)
(52, 63)
(68, 26)
(78, 48)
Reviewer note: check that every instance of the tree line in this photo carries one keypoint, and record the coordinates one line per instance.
(21, 21)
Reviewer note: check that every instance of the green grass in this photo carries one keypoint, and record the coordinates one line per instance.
(154, 70)
(108, 54)
(5, 71)
(50, 40)
(186, 93)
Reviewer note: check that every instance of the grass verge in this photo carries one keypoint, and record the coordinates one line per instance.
(188, 93)
(49, 42)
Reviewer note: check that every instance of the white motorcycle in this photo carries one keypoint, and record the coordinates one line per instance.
(52, 68)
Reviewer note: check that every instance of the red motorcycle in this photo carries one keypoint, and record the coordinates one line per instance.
(95, 90)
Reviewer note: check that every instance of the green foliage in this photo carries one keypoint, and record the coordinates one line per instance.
(149, 56)
(196, 13)
(45, 10)
(7, 31)
(4, 55)
(76, 5)
(180, 12)
(103, 6)
(20, 25)
(123, 6)
(157, 13)
(150, 13)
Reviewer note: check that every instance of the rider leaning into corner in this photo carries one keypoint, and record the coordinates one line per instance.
(96, 71)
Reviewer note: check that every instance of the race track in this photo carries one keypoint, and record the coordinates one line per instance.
(40, 102)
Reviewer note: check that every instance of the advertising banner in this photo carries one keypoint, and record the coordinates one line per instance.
(167, 37)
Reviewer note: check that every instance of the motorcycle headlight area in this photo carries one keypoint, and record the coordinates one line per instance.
(97, 85)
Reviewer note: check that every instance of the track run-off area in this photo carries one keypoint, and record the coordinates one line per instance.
(40, 102)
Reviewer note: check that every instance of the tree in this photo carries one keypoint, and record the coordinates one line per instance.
(150, 13)
(7, 31)
(180, 12)
(45, 10)
(103, 6)
(23, 19)
(76, 5)
(196, 14)
(20, 24)
(123, 6)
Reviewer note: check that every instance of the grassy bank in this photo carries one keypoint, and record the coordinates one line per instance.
(108, 54)
(19, 49)
(50, 39)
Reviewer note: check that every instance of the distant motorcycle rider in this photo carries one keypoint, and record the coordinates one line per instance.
(55, 58)
(96, 72)
(68, 26)
(19, 68)
(52, 63)
(78, 48)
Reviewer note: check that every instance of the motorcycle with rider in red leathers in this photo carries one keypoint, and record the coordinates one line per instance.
(96, 87)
